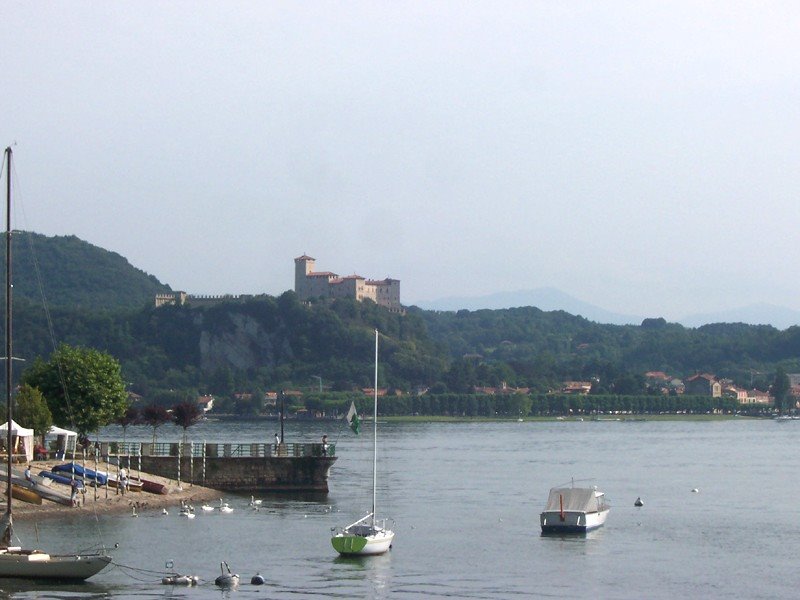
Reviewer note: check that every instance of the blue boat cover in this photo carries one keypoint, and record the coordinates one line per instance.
(82, 472)
(60, 478)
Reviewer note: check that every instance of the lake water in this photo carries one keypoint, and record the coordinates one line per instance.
(466, 500)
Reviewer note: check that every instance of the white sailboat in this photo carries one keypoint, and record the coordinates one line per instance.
(367, 535)
(14, 560)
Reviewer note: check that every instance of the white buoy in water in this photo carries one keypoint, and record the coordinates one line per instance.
(695, 490)
(258, 579)
(180, 580)
(638, 502)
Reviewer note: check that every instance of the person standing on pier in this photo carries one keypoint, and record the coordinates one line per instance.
(123, 480)
(73, 496)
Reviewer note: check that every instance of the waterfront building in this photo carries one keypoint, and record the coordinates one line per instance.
(703, 384)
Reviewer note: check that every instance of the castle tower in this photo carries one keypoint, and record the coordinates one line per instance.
(303, 266)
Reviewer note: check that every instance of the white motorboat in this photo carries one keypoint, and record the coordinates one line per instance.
(574, 510)
(367, 535)
(14, 560)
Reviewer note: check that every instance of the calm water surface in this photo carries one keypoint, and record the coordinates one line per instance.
(466, 499)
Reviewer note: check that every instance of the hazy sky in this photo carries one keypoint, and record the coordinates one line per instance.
(641, 156)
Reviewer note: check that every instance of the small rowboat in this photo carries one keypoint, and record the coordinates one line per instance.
(154, 488)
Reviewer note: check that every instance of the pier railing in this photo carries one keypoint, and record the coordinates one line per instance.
(209, 450)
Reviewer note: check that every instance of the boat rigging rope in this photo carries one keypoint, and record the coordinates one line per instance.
(139, 574)
(20, 203)
(134, 573)
(50, 328)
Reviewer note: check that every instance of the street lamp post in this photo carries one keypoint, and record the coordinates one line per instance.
(283, 413)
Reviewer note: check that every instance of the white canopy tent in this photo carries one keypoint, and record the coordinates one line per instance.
(66, 440)
(22, 442)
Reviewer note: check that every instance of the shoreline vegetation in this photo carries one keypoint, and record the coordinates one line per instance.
(501, 418)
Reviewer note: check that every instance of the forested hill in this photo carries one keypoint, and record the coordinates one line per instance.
(98, 299)
(552, 345)
(271, 343)
(77, 274)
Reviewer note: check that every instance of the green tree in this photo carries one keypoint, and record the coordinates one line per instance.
(83, 387)
(30, 410)
(780, 389)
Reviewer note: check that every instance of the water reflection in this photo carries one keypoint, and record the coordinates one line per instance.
(16, 589)
(375, 571)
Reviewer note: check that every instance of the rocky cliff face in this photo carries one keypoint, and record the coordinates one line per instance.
(244, 344)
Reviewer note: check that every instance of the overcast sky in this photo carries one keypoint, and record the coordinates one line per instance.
(641, 156)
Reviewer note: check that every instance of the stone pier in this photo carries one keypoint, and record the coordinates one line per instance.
(233, 467)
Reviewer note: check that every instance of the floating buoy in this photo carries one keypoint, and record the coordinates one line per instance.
(638, 502)
(180, 580)
(695, 490)
(258, 579)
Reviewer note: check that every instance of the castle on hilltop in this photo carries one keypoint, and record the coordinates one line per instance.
(324, 284)
(308, 284)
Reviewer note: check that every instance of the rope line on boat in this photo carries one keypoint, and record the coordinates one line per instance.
(125, 572)
(48, 317)
(50, 328)
(132, 572)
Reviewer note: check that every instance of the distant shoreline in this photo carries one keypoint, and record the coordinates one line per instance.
(465, 419)
(617, 418)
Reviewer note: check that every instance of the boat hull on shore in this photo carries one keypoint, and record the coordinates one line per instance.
(21, 493)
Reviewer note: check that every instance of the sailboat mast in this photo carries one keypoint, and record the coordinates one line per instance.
(375, 433)
(8, 532)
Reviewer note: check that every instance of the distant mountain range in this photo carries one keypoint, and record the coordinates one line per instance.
(550, 299)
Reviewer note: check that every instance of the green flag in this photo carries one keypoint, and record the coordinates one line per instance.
(352, 418)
